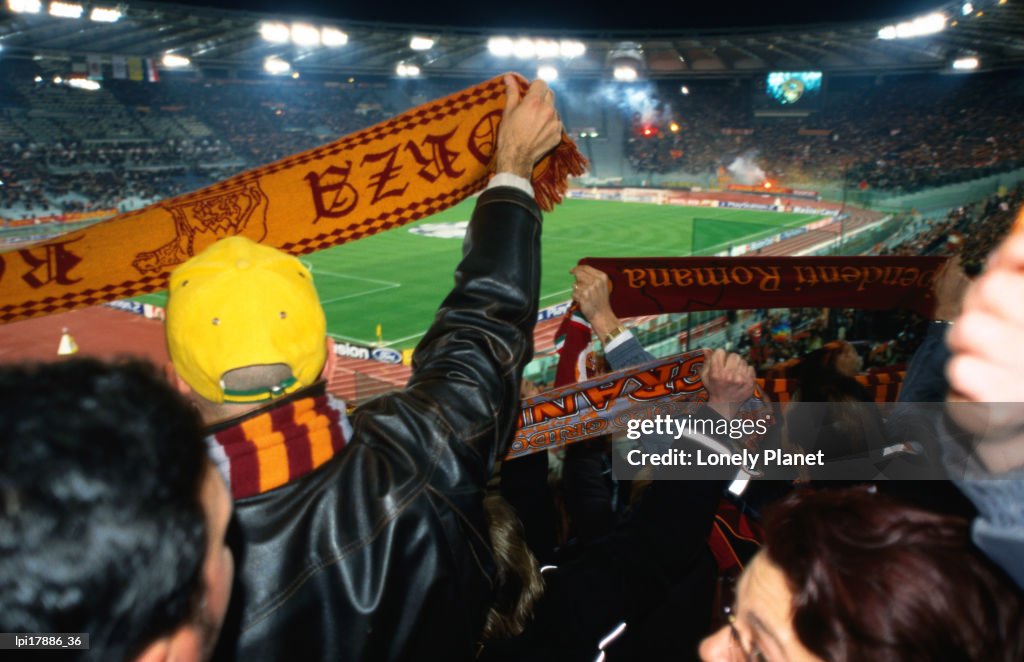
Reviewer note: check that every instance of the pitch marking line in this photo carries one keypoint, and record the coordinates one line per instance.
(387, 284)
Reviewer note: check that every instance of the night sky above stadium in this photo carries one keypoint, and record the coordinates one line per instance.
(581, 15)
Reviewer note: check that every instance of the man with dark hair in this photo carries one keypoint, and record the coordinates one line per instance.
(365, 540)
(112, 520)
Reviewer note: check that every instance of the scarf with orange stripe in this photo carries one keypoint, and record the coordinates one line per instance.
(272, 447)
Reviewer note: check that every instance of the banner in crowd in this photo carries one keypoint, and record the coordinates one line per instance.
(135, 69)
(414, 165)
(119, 65)
(651, 286)
(606, 404)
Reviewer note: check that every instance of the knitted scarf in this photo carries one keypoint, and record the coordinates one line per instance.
(655, 285)
(409, 167)
(277, 446)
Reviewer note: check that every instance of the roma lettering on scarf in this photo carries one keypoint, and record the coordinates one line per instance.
(409, 167)
(650, 286)
(606, 404)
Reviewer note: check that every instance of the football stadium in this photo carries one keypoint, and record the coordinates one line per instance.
(690, 339)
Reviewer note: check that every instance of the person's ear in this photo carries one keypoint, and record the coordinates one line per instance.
(331, 363)
(176, 381)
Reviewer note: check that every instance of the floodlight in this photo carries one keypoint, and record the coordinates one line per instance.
(25, 6)
(524, 48)
(333, 37)
(276, 66)
(276, 33)
(84, 84)
(546, 48)
(105, 15)
(547, 73)
(919, 27)
(966, 63)
(175, 61)
(624, 73)
(500, 46)
(570, 48)
(65, 10)
(967, 9)
(304, 34)
(421, 43)
(407, 70)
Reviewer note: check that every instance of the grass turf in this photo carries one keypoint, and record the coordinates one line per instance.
(398, 278)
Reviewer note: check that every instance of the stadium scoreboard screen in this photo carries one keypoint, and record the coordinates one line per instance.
(792, 89)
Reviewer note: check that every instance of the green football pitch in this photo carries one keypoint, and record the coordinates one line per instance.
(398, 278)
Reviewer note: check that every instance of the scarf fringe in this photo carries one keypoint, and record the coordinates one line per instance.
(551, 177)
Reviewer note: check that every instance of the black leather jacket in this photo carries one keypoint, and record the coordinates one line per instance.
(382, 553)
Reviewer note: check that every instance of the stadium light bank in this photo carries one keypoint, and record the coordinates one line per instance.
(919, 27)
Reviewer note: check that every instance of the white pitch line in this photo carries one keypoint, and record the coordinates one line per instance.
(393, 286)
(335, 274)
(556, 294)
(398, 340)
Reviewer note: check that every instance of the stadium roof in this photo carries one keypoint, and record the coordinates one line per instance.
(992, 31)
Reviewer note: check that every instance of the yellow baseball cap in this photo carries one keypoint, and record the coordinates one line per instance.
(239, 304)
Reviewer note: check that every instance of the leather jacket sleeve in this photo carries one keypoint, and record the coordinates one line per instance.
(382, 553)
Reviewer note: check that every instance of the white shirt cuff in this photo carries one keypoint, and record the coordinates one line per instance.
(508, 179)
(618, 340)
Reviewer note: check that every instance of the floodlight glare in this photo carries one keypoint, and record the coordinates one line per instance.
(684, 90)
(570, 48)
(967, 9)
(304, 34)
(421, 43)
(333, 37)
(276, 66)
(175, 61)
(105, 15)
(624, 73)
(25, 6)
(276, 33)
(524, 48)
(546, 48)
(966, 63)
(65, 10)
(407, 70)
(500, 46)
(83, 84)
(918, 27)
(547, 73)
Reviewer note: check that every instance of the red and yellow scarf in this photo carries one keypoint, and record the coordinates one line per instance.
(279, 445)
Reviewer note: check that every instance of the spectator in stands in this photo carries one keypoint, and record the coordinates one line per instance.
(649, 583)
(112, 521)
(986, 367)
(853, 575)
(366, 540)
(831, 411)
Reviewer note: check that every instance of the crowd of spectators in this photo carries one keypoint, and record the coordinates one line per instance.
(143, 143)
(897, 133)
(404, 530)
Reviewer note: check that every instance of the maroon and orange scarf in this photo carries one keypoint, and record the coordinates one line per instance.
(409, 167)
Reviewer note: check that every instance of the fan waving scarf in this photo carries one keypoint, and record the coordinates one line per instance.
(393, 173)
